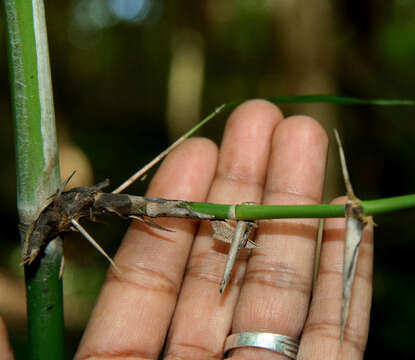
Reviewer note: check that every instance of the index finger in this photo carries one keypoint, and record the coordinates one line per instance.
(134, 310)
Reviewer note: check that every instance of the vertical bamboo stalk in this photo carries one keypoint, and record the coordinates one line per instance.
(37, 167)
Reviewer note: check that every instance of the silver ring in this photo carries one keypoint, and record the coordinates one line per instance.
(279, 343)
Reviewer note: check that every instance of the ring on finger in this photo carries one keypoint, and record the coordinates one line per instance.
(279, 343)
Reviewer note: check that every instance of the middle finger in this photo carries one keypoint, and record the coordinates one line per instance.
(203, 317)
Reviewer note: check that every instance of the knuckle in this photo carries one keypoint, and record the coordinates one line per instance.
(331, 330)
(278, 275)
(185, 351)
(144, 277)
(206, 266)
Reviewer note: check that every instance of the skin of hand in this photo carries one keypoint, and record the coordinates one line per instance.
(5, 349)
(169, 288)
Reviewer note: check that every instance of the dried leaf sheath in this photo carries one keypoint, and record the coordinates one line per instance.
(354, 228)
(91, 203)
(239, 240)
(223, 231)
(355, 222)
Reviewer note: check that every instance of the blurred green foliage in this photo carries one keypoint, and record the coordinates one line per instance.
(111, 62)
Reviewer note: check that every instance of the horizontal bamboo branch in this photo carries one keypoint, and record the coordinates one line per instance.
(91, 202)
(257, 212)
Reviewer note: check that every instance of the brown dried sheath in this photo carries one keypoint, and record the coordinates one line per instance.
(90, 203)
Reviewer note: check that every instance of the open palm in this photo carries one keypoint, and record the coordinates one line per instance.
(168, 295)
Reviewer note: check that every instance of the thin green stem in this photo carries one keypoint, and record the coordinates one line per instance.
(331, 99)
(37, 167)
(256, 212)
(319, 98)
(374, 207)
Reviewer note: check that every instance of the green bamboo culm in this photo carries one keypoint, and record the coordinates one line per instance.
(37, 167)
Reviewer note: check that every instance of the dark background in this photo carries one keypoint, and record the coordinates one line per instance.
(129, 76)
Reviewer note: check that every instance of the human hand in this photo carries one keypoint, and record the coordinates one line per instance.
(170, 281)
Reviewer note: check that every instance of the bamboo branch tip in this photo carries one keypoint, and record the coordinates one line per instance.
(349, 189)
